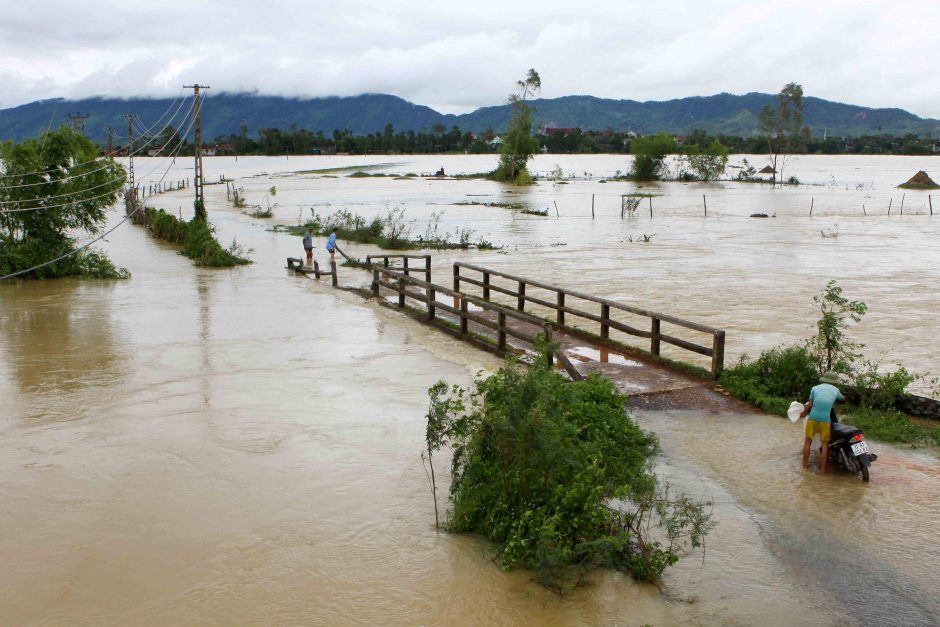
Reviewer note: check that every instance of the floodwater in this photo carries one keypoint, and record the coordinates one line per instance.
(243, 446)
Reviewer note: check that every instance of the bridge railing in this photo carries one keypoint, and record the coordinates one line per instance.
(406, 268)
(466, 308)
(567, 302)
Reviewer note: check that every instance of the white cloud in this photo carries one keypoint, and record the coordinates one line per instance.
(456, 57)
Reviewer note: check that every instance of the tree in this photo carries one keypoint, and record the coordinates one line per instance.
(558, 475)
(708, 162)
(519, 144)
(781, 126)
(648, 155)
(832, 349)
(54, 188)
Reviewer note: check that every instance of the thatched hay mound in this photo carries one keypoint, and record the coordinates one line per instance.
(767, 170)
(920, 181)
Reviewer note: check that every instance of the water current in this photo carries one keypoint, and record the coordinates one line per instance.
(241, 446)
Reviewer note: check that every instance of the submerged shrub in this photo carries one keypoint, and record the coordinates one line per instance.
(196, 240)
(559, 476)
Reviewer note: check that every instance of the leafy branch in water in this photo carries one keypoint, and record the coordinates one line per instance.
(558, 475)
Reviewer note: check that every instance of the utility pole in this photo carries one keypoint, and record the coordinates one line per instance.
(110, 131)
(77, 121)
(130, 196)
(200, 202)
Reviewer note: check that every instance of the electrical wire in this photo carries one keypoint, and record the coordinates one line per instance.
(86, 245)
(50, 171)
(66, 204)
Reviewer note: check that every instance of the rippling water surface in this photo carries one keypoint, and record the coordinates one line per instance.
(242, 446)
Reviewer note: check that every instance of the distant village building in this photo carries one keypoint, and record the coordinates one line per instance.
(496, 141)
(218, 150)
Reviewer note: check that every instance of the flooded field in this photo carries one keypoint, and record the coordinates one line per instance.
(242, 446)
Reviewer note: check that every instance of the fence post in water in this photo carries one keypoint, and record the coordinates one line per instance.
(375, 282)
(651, 206)
(427, 268)
(592, 206)
(705, 204)
(335, 277)
(605, 318)
(561, 308)
(456, 282)
(316, 268)
(812, 201)
(718, 353)
(463, 316)
(520, 301)
(401, 292)
(890, 200)
(501, 330)
(405, 266)
(930, 203)
(902, 202)
(654, 336)
(432, 297)
(486, 286)
(556, 209)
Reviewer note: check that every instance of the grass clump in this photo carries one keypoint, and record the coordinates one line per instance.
(559, 476)
(390, 231)
(196, 240)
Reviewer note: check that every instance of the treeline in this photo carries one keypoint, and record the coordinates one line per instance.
(298, 141)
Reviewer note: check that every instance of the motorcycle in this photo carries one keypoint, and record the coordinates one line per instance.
(848, 448)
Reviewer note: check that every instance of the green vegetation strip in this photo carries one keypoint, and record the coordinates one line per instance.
(196, 240)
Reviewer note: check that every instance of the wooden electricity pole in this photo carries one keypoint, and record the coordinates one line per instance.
(130, 196)
(200, 202)
(110, 131)
(77, 121)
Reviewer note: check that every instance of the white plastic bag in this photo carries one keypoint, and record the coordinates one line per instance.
(794, 411)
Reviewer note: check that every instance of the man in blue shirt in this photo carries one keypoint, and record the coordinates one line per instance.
(331, 243)
(821, 399)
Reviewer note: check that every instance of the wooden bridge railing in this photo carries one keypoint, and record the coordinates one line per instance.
(406, 286)
(562, 305)
(405, 268)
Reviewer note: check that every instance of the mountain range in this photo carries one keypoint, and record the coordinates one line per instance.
(226, 113)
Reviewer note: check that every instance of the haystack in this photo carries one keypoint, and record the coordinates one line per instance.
(767, 170)
(920, 181)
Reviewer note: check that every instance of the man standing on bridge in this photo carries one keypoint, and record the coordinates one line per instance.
(821, 399)
(331, 243)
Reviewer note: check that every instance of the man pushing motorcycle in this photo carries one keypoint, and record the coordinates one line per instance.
(821, 399)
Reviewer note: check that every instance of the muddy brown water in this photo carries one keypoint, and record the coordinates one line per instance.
(242, 446)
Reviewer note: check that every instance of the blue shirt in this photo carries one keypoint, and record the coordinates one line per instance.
(308, 241)
(331, 242)
(824, 397)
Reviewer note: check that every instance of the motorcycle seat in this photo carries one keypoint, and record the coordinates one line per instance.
(843, 432)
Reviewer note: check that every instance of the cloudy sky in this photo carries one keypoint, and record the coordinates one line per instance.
(455, 57)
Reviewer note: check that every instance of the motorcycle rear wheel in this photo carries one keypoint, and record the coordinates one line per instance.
(863, 473)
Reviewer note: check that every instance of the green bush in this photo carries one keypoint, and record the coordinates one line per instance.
(779, 376)
(559, 476)
(879, 390)
(891, 426)
(195, 239)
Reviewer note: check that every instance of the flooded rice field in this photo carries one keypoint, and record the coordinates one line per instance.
(242, 446)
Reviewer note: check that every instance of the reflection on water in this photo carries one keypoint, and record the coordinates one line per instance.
(242, 446)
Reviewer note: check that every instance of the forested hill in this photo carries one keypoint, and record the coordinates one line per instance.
(228, 113)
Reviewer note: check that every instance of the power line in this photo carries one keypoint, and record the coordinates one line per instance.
(51, 170)
(66, 204)
(83, 247)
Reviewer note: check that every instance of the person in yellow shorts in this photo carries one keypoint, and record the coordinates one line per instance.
(821, 399)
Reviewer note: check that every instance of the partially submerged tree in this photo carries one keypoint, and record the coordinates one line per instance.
(706, 163)
(649, 153)
(519, 144)
(781, 127)
(559, 476)
(53, 188)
